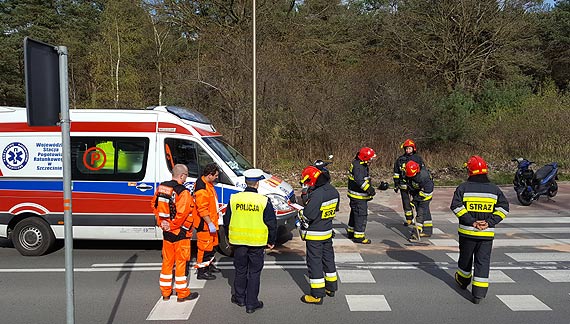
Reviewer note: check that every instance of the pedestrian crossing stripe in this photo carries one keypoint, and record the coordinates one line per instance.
(368, 303)
(523, 303)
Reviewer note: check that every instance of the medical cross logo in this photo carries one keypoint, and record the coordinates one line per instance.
(15, 156)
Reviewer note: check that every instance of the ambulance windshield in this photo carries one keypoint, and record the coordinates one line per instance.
(230, 155)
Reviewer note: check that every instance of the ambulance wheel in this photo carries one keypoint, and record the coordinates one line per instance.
(224, 245)
(32, 237)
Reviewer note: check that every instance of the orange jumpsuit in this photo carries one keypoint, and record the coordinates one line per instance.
(206, 205)
(176, 242)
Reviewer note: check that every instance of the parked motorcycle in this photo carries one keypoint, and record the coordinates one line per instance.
(530, 185)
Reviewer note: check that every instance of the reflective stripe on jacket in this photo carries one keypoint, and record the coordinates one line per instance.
(474, 201)
(358, 180)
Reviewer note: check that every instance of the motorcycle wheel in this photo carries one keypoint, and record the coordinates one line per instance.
(553, 190)
(524, 198)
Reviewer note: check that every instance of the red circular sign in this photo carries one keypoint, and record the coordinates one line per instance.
(95, 155)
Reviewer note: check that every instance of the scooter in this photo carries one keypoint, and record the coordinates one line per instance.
(530, 185)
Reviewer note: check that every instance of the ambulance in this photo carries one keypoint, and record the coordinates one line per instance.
(118, 158)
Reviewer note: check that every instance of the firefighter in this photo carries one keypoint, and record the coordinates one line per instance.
(400, 173)
(320, 209)
(360, 191)
(251, 226)
(480, 205)
(206, 222)
(420, 186)
(172, 204)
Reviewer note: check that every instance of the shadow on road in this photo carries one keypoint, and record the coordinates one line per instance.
(424, 263)
(126, 273)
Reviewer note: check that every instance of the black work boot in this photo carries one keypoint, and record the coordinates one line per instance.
(203, 274)
(213, 269)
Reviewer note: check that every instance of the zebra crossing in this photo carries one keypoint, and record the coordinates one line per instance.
(524, 232)
(535, 235)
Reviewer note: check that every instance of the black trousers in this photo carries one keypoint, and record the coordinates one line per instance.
(423, 216)
(248, 263)
(479, 250)
(406, 200)
(358, 217)
(321, 266)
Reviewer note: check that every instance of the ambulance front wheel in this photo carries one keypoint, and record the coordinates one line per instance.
(32, 237)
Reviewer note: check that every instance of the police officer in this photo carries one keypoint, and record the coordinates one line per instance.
(400, 183)
(172, 204)
(420, 186)
(360, 191)
(251, 226)
(479, 205)
(320, 209)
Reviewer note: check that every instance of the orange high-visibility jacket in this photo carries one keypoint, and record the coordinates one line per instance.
(206, 204)
(184, 205)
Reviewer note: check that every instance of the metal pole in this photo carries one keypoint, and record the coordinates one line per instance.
(254, 94)
(66, 148)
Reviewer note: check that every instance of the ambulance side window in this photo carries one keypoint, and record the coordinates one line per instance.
(109, 158)
(186, 152)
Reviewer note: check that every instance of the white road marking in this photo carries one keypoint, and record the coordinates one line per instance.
(506, 242)
(347, 257)
(355, 276)
(367, 303)
(444, 242)
(529, 220)
(519, 303)
(343, 242)
(171, 310)
(555, 275)
(532, 230)
(437, 231)
(539, 256)
(498, 276)
(453, 256)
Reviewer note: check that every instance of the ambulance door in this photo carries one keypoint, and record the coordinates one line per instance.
(190, 152)
(113, 184)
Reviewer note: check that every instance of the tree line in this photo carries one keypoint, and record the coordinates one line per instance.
(460, 77)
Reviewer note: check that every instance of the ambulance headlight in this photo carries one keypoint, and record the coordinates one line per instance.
(279, 202)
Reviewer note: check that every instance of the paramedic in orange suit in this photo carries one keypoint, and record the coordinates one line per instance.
(206, 222)
(172, 205)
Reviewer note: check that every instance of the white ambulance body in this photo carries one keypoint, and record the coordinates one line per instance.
(118, 158)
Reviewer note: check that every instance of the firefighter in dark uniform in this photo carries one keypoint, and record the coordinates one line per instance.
(321, 206)
(400, 183)
(479, 205)
(420, 186)
(360, 191)
(251, 226)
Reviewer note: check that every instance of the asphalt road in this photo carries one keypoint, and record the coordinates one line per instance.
(388, 281)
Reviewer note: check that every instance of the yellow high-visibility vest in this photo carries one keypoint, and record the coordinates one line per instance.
(246, 224)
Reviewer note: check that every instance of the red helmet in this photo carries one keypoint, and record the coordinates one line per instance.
(409, 143)
(310, 175)
(366, 154)
(412, 168)
(476, 165)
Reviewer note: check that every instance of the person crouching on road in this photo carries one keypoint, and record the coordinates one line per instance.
(206, 222)
(321, 205)
(251, 226)
(420, 186)
(360, 191)
(400, 182)
(479, 205)
(172, 205)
